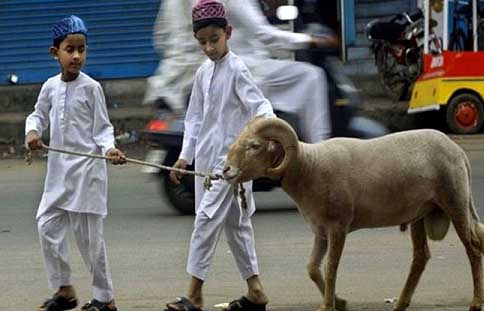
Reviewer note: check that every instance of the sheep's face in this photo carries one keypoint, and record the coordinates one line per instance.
(249, 158)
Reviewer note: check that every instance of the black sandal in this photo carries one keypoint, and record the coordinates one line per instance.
(181, 304)
(59, 303)
(244, 304)
(95, 305)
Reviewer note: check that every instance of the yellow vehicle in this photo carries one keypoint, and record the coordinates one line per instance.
(452, 80)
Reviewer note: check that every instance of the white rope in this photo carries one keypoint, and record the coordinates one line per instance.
(208, 177)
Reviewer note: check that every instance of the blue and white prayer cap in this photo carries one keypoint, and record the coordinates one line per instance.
(67, 26)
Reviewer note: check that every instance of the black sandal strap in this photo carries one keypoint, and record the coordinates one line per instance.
(96, 305)
(59, 303)
(244, 304)
(181, 304)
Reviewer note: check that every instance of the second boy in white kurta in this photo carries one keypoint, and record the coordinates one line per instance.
(224, 99)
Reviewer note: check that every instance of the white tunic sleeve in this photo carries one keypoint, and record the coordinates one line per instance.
(38, 120)
(251, 96)
(249, 16)
(103, 133)
(193, 120)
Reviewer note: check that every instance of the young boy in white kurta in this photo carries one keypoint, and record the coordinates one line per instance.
(75, 190)
(224, 98)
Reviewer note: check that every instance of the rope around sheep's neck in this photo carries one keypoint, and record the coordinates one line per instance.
(207, 182)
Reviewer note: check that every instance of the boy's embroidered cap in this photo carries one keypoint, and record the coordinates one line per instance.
(67, 26)
(208, 9)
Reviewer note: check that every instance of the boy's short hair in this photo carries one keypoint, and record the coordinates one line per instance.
(208, 12)
(67, 26)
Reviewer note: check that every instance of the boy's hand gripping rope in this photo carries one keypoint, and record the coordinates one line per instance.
(208, 177)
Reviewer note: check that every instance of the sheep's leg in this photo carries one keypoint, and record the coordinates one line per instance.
(320, 246)
(463, 229)
(421, 256)
(319, 250)
(336, 244)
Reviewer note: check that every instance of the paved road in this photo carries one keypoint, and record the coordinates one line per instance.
(147, 244)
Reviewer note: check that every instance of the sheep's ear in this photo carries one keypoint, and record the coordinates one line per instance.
(272, 146)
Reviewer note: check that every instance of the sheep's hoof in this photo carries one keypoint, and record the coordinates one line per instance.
(326, 308)
(476, 305)
(340, 304)
(401, 306)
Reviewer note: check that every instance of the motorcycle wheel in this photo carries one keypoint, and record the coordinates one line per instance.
(181, 196)
(465, 114)
(395, 88)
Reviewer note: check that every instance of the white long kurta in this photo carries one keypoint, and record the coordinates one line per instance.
(224, 99)
(77, 114)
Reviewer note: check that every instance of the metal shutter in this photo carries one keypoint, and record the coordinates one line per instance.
(119, 37)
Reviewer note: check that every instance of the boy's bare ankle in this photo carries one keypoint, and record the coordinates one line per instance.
(66, 291)
(257, 295)
(195, 292)
(197, 301)
(255, 291)
(111, 303)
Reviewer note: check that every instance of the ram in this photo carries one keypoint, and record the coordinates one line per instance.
(417, 177)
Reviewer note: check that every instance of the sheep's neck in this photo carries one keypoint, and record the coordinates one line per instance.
(297, 174)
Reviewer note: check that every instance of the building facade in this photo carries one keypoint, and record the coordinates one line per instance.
(120, 34)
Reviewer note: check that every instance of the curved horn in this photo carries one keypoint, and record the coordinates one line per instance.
(278, 130)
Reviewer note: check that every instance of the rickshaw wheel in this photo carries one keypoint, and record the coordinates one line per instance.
(465, 114)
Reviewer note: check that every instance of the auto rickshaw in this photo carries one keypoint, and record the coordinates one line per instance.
(452, 78)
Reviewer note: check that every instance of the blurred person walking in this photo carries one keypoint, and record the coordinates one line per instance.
(291, 86)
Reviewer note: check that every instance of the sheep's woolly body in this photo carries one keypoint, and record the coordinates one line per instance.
(418, 177)
(380, 178)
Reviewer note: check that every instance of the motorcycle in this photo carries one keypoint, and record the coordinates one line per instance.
(397, 44)
(345, 101)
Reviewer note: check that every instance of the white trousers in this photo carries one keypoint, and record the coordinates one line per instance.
(88, 232)
(239, 234)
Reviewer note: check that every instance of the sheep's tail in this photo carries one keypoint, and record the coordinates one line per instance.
(472, 207)
(477, 236)
(477, 231)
